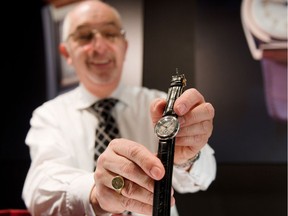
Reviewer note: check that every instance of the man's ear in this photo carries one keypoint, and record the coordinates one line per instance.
(64, 52)
(125, 47)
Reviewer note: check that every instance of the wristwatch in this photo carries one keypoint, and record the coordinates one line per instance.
(166, 129)
(168, 126)
(265, 28)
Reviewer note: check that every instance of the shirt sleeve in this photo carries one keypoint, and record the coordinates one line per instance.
(199, 177)
(55, 184)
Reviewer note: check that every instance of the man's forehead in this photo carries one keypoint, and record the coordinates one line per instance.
(94, 16)
(108, 25)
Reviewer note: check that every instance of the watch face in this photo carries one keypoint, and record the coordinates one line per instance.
(271, 16)
(267, 17)
(167, 127)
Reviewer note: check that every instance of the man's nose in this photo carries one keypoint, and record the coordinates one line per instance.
(99, 43)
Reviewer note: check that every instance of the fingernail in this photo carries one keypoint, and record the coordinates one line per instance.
(155, 172)
(181, 109)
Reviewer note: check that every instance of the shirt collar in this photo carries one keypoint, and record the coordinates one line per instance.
(87, 99)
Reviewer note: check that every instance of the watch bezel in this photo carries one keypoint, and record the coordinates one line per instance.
(252, 31)
(173, 133)
(249, 19)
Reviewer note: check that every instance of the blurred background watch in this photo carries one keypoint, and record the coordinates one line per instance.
(265, 27)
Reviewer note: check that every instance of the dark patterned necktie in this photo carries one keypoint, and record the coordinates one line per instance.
(107, 128)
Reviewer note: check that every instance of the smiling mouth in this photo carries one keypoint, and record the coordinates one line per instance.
(102, 63)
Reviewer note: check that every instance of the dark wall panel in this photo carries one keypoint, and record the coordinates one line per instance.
(240, 189)
(232, 80)
(168, 42)
(24, 80)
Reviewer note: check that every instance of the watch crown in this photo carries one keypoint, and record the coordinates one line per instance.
(178, 79)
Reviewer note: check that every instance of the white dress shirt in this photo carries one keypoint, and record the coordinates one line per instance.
(61, 142)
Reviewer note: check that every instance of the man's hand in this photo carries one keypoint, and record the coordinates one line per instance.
(139, 168)
(196, 123)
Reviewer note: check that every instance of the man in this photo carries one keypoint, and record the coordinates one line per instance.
(63, 178)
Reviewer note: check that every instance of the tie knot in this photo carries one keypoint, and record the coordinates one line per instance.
(103, 108)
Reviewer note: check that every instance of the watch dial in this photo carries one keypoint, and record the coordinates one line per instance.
(271, 17)
(167, 127)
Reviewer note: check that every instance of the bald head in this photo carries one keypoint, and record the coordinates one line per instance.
(89, 12)
(94, 45)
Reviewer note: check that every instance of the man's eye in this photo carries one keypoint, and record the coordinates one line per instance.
(110, 35)
(85, 36)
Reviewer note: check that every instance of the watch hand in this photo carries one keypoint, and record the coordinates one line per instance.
(170, 123)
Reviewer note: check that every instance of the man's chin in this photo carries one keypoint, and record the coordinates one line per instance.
(103, 79)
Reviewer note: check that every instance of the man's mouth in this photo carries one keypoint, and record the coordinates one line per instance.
(101, 62)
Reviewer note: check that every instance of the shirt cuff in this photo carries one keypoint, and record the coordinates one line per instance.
(78, 197)
(202, 173)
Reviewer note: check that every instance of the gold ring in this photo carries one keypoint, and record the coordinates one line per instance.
(118, 183)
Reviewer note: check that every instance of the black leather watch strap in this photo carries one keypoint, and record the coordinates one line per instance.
(162, 188)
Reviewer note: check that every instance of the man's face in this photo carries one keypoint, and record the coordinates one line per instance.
(97, 47)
